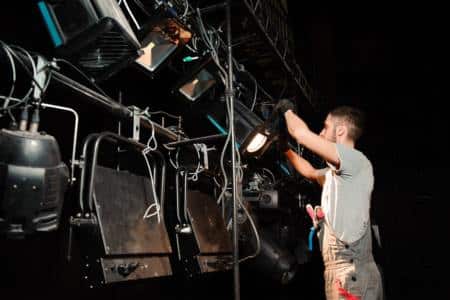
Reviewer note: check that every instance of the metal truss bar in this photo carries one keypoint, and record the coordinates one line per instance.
(268, 15)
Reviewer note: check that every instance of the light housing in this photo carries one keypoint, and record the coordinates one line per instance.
(202, 77)
(93, 34)
(274, 261)
(160, 41)
(253, 135)
(33, 180)
(258, 141)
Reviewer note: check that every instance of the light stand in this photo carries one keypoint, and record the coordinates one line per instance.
(230, 99)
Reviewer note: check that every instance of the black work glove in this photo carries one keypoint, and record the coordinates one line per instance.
(284, 105)
(282, 143)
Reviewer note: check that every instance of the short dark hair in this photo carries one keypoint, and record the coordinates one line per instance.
(354, 117)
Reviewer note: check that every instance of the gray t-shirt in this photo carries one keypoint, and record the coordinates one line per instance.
(346, 194)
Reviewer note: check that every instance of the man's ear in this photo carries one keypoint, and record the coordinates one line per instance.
(341, 130)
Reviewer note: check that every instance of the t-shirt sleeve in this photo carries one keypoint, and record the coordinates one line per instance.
(351, 161)
(323, 171)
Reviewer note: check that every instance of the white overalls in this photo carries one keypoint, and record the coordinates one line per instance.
(349, 266)
(350, 270)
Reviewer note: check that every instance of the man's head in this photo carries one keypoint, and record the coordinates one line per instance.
(343, 124)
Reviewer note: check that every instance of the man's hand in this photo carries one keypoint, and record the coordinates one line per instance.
(284, 105)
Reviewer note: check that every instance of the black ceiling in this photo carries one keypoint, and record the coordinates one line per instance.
(388, 61)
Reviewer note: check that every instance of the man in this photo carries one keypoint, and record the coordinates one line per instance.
(347, 183)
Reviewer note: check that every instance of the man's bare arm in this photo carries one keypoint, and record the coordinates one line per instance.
(304, 167)
(303, 135)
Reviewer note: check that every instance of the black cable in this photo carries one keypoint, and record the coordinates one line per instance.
(23, 63)
(163, 113)
(46, 84)
(19, 59)
(27, 96)
(13, 124)
(15, 105)
(7, 50)
(47, 66)
(142, 7)
(284, 88)
(82, 74)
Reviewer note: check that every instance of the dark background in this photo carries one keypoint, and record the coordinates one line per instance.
(390, 62)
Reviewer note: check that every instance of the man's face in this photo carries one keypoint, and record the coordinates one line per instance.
(329, 129)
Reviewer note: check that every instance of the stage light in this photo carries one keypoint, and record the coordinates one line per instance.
(94, 34)
(258, 141)
(198, 85)
(273, 261)
(195, 84)
(33, 181)
(253, 135)
(161, 42)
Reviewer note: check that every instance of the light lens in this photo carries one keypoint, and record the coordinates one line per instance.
(157, 50)
(198, 85)
(256, 143)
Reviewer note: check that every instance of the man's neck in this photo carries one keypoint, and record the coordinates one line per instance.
(347, 142)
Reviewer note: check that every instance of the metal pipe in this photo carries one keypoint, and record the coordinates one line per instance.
(185, 196)
(197, 140)
(177, 194)
(100, 137)
(212, 8)
(109, 105)
(230, 96)
(75, 135)
(162, 186)
(83, 168)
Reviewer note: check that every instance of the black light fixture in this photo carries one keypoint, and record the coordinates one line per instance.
(279, 263)
(160, 41)
(258, 141)
(94, 34)
(253, 135)
(33, 180)
(261, 136)
(159, 29)
(274, 261)
(202, 77)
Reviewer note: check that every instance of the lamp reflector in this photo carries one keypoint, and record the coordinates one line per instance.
(157, 48)
(194, 88)
(256, 143)
(161, 38)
